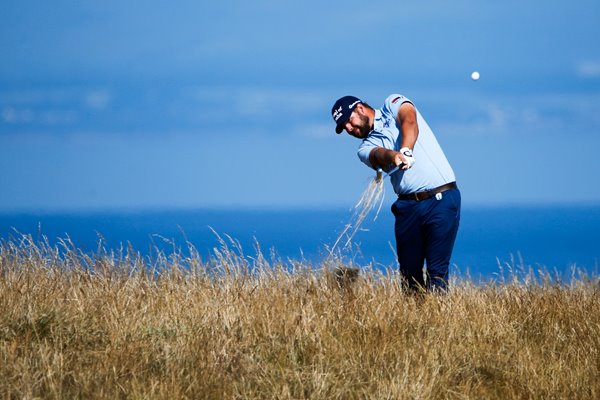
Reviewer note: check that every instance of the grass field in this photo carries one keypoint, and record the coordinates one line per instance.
(116, 325)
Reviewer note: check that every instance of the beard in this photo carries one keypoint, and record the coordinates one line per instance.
(363, 126)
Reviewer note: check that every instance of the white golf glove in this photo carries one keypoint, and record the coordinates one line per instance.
(408, 156)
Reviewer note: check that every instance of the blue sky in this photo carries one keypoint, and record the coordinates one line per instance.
(159, 104)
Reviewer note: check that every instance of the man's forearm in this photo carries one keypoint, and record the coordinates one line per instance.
(384, 158)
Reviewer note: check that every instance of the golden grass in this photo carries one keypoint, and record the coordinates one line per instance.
(121, 326)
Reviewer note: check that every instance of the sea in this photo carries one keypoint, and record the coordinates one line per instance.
(563, 241)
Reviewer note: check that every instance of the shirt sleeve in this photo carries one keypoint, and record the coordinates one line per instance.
(393, 103)
(363, 154)
(375, 139)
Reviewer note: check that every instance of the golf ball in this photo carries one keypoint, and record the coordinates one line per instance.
(475, 75)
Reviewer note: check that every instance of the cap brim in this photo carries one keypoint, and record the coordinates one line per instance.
(340, 125)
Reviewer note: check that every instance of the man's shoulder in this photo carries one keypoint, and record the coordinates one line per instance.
(393, 102)
(395, 98)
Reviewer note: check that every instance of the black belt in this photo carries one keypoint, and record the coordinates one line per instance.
(418, 196)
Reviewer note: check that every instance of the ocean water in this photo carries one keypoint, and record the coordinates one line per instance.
(554, 238)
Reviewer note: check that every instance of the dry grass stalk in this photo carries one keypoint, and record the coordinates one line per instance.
(116, 325)
(372, 196)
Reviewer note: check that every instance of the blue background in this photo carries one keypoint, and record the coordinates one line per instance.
(129, 118)
(153, 104)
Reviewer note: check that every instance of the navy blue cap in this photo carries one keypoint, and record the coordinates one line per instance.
(342, 109)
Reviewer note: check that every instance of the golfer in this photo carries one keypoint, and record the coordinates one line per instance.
(428, 207)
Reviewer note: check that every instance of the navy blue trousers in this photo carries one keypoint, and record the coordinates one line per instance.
(425, 232)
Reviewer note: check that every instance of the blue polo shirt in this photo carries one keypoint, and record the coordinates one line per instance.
(431, 168)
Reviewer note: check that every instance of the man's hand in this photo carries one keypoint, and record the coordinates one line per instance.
(405, 156)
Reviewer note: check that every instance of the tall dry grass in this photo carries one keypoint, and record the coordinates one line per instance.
(117, 325)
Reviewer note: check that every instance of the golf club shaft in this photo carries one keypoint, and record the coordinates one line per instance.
(396, 168)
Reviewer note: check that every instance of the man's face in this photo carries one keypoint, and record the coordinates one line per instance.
(358, 124)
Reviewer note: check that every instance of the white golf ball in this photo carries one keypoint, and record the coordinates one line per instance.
(475, 75)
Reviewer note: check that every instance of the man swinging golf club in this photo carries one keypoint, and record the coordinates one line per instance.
(427, 211)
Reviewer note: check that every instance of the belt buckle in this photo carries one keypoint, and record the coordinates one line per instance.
(417, 196)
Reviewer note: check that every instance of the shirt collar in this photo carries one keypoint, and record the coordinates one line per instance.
(378, 121)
